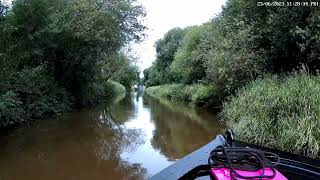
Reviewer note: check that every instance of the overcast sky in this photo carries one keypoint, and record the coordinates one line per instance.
(163, 15)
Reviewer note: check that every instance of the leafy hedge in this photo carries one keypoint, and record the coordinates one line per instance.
(200, 96)
(11, 111)
(31, 94)
(284, 114)
(103, 91)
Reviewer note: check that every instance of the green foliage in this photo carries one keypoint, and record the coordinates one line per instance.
(41, 94)
(104, 91)
(231, 62)
(55, 55)
(280, 37)
(200, 96)
(159, 72)
(128, 75)
(206, 96)
(188, 64)
(73, 37)
(11, 111)
(153, 76)
(278, 113)
(244, 43)
(96, 35)
(113, 89)
(31, 94)
(247, 41)
(168, 46)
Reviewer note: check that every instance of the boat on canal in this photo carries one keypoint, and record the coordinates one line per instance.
(196, 166)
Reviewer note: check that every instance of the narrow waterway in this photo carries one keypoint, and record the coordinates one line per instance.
(133, 138)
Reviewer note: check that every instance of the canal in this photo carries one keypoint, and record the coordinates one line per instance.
(132, 138)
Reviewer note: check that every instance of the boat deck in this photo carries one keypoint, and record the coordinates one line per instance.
(189, 162)
(292, 166)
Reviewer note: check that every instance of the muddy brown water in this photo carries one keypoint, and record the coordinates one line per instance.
(133, 138)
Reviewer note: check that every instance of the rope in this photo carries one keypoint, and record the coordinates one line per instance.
(242, 158)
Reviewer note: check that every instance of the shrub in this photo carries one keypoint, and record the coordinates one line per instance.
(200, 96)
(158, 91)
(283, 114)
(206, 96)
(11, 110)
(31, 94)
(104, 91)
(112, 89)
(178, 93)
(40, 94)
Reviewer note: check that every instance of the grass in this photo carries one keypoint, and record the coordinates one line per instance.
(200, 96)
(282, 114)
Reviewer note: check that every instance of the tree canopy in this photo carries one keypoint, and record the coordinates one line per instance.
(166, 48)
(64, 45)
(243, 43)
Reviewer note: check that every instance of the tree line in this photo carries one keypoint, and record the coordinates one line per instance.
(59, 55)
(244, 42)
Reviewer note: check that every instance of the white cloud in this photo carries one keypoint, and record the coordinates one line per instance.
(163, 15)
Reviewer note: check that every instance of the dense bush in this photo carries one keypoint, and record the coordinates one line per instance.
(104, 91)
(200, 96)
(231, 61)
(284, 114)
(31, 94)
(11, 111)
(206, 96)
(112, 89)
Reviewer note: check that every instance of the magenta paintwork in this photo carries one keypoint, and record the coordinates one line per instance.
(224, 174)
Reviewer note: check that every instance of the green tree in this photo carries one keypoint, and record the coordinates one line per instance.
(247, 41)
(55, 52)
(166, 48)
(280, 33)
(128, 75)
(73, 37)
(96, 34)
(188, 64)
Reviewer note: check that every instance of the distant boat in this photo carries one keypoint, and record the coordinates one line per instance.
(137, 88)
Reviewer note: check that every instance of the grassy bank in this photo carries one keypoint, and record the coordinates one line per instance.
(200, 96)
(104, 91)
(283, 114)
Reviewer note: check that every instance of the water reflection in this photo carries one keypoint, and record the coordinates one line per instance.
(145, 154)
(181, 130)
(130, 139)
